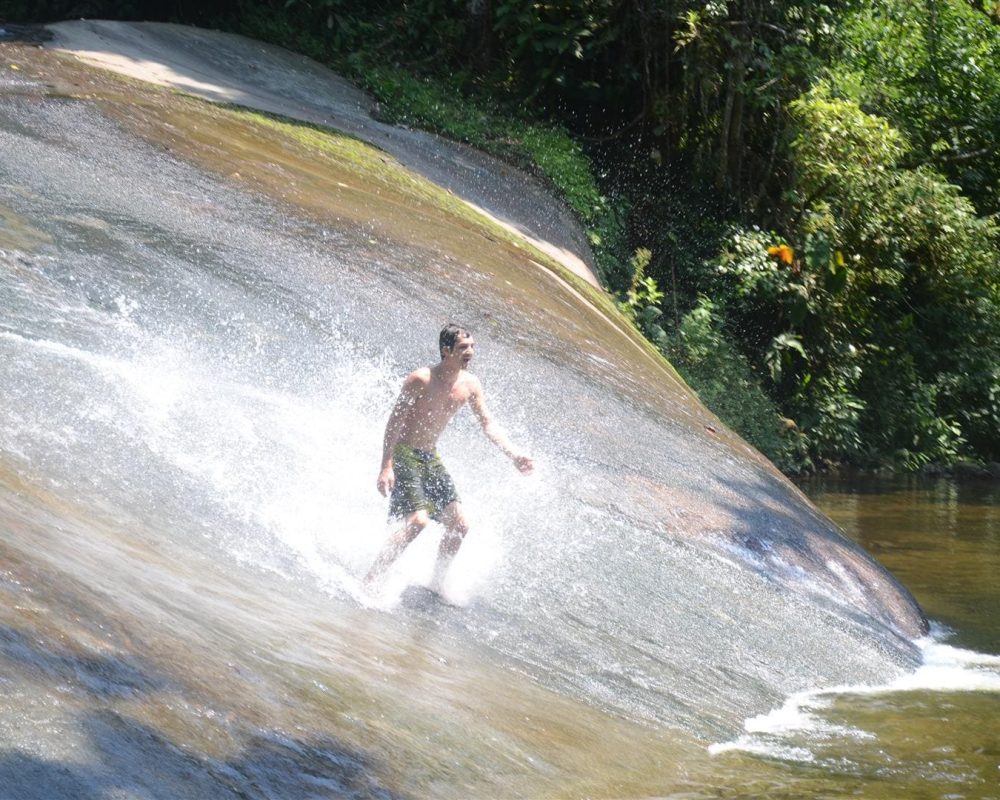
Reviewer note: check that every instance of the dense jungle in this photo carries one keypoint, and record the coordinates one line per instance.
(795, 201)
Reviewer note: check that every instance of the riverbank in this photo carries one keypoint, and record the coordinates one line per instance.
(964, 471)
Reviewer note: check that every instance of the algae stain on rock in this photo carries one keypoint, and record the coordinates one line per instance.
(17, 234)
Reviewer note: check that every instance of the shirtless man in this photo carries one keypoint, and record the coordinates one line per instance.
(412, 473)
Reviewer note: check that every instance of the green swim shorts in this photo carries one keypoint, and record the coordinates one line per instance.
(422, 482)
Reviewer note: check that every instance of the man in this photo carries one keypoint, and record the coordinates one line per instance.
(412, 473)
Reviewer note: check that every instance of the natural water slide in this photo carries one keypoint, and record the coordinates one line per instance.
(205, 314)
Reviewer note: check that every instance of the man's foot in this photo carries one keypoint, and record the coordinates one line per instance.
(440, 573)
(425, 598)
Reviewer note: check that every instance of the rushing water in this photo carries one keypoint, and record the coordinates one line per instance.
(193, 382)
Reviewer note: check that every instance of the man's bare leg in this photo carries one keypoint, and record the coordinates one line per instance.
(396, 544)
(455, 528)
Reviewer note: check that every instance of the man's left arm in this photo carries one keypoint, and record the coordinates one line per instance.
(494, 432)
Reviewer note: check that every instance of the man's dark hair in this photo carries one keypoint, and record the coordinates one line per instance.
(451, 333)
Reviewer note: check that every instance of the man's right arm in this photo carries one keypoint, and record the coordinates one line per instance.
(394, 430)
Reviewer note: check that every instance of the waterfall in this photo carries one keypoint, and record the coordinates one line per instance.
(194, 380)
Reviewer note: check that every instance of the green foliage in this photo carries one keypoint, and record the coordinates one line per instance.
(297, 27)
(34, 11)
(777, 304)
(837, 142)
(727, 383)
(896, 288)
(544, 43)
(407, 99)
(643, 298)
(425, 30)
(741, 62)
(562, 160)
(333, 21)
(933, 70)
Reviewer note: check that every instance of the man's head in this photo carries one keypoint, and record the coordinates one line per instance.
(455, 342)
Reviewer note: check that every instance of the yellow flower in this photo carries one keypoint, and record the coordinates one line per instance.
(782, 252)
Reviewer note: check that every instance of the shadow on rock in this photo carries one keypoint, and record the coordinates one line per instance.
(27, 34)
(99, 674)
(133, 760)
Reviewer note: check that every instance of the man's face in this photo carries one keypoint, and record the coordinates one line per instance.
(463, 350)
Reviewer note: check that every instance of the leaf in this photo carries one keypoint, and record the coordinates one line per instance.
(789, 341)
(797, 310)
(836, 279)
(818, 254)
(650, 314)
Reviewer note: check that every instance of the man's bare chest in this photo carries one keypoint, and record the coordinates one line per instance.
(453, 397)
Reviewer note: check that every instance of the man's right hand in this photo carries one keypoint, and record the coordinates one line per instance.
(526, 464)
(386, 480)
